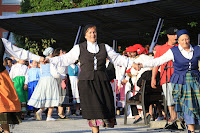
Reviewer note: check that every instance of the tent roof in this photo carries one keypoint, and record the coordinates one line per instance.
(126, 21)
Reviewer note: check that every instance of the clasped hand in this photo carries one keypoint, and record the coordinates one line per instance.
(137, 66)
(44, 60)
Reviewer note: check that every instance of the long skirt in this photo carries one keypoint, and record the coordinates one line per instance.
(9, 101)
(45, 94)
(187, 97)
(97, 101)
(31, 87)
(65, 98)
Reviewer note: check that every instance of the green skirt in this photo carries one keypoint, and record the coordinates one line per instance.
(10, 118)
(19, 86)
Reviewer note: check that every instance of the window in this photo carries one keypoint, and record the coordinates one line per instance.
(11, 2)
(8, 13)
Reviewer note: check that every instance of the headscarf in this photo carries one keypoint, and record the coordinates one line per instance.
(48, 51)
(181, 32)
(88, 26)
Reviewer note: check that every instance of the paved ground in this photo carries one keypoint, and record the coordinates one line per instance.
(78, 125)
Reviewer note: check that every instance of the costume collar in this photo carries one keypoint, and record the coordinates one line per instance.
(181, 48)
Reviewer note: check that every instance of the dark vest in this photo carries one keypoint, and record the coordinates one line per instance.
(181, 65)
(87, 63)
(2, 50)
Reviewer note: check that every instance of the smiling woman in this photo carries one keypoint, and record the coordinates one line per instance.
(90, 33)
(185, 78)
(96, 96)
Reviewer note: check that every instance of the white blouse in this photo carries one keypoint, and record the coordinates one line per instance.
(168, 56)
(19, 53)
(19, 70)
(73, 55)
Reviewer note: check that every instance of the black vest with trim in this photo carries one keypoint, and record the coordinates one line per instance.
(87, 63)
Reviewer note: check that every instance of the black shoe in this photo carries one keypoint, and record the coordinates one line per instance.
(183, 124)
(191, 131)
(172, 126)
(62, 117)
(138, 120)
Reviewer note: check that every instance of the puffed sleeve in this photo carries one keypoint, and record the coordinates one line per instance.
(118, 59)
(19, 53)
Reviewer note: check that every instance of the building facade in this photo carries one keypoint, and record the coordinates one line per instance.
(8, 7)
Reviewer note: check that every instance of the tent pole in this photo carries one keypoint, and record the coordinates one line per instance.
(78, 35)
(156, 34)
(8, 35)
(116, 45)
(113, 44)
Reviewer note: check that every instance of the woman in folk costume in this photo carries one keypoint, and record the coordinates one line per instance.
(33, 76)
(46, 93)
(141, 52)
(73, 71)
(60, 73)
(185, 79)
(132, 53)
(96, 96)
(10, 106)
(18, 75)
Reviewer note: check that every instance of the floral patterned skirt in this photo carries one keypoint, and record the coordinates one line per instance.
(107, 123)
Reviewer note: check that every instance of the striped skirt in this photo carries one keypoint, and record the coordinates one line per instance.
(187, 97)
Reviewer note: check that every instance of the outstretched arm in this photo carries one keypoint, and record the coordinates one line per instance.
(168, 56)
(117, 59)
(19, 52)
(66, 59)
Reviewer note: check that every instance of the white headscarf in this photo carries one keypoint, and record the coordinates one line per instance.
(48, 51)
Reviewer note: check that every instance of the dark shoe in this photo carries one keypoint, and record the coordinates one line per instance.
(191, 131)
(63, 117)
(138, 120)
(183, 124)
(173, 126)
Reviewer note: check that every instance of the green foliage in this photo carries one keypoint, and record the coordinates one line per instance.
(163, 33)
(193, 24)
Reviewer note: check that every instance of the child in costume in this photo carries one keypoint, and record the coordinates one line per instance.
(18, 74)
(32, 80)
